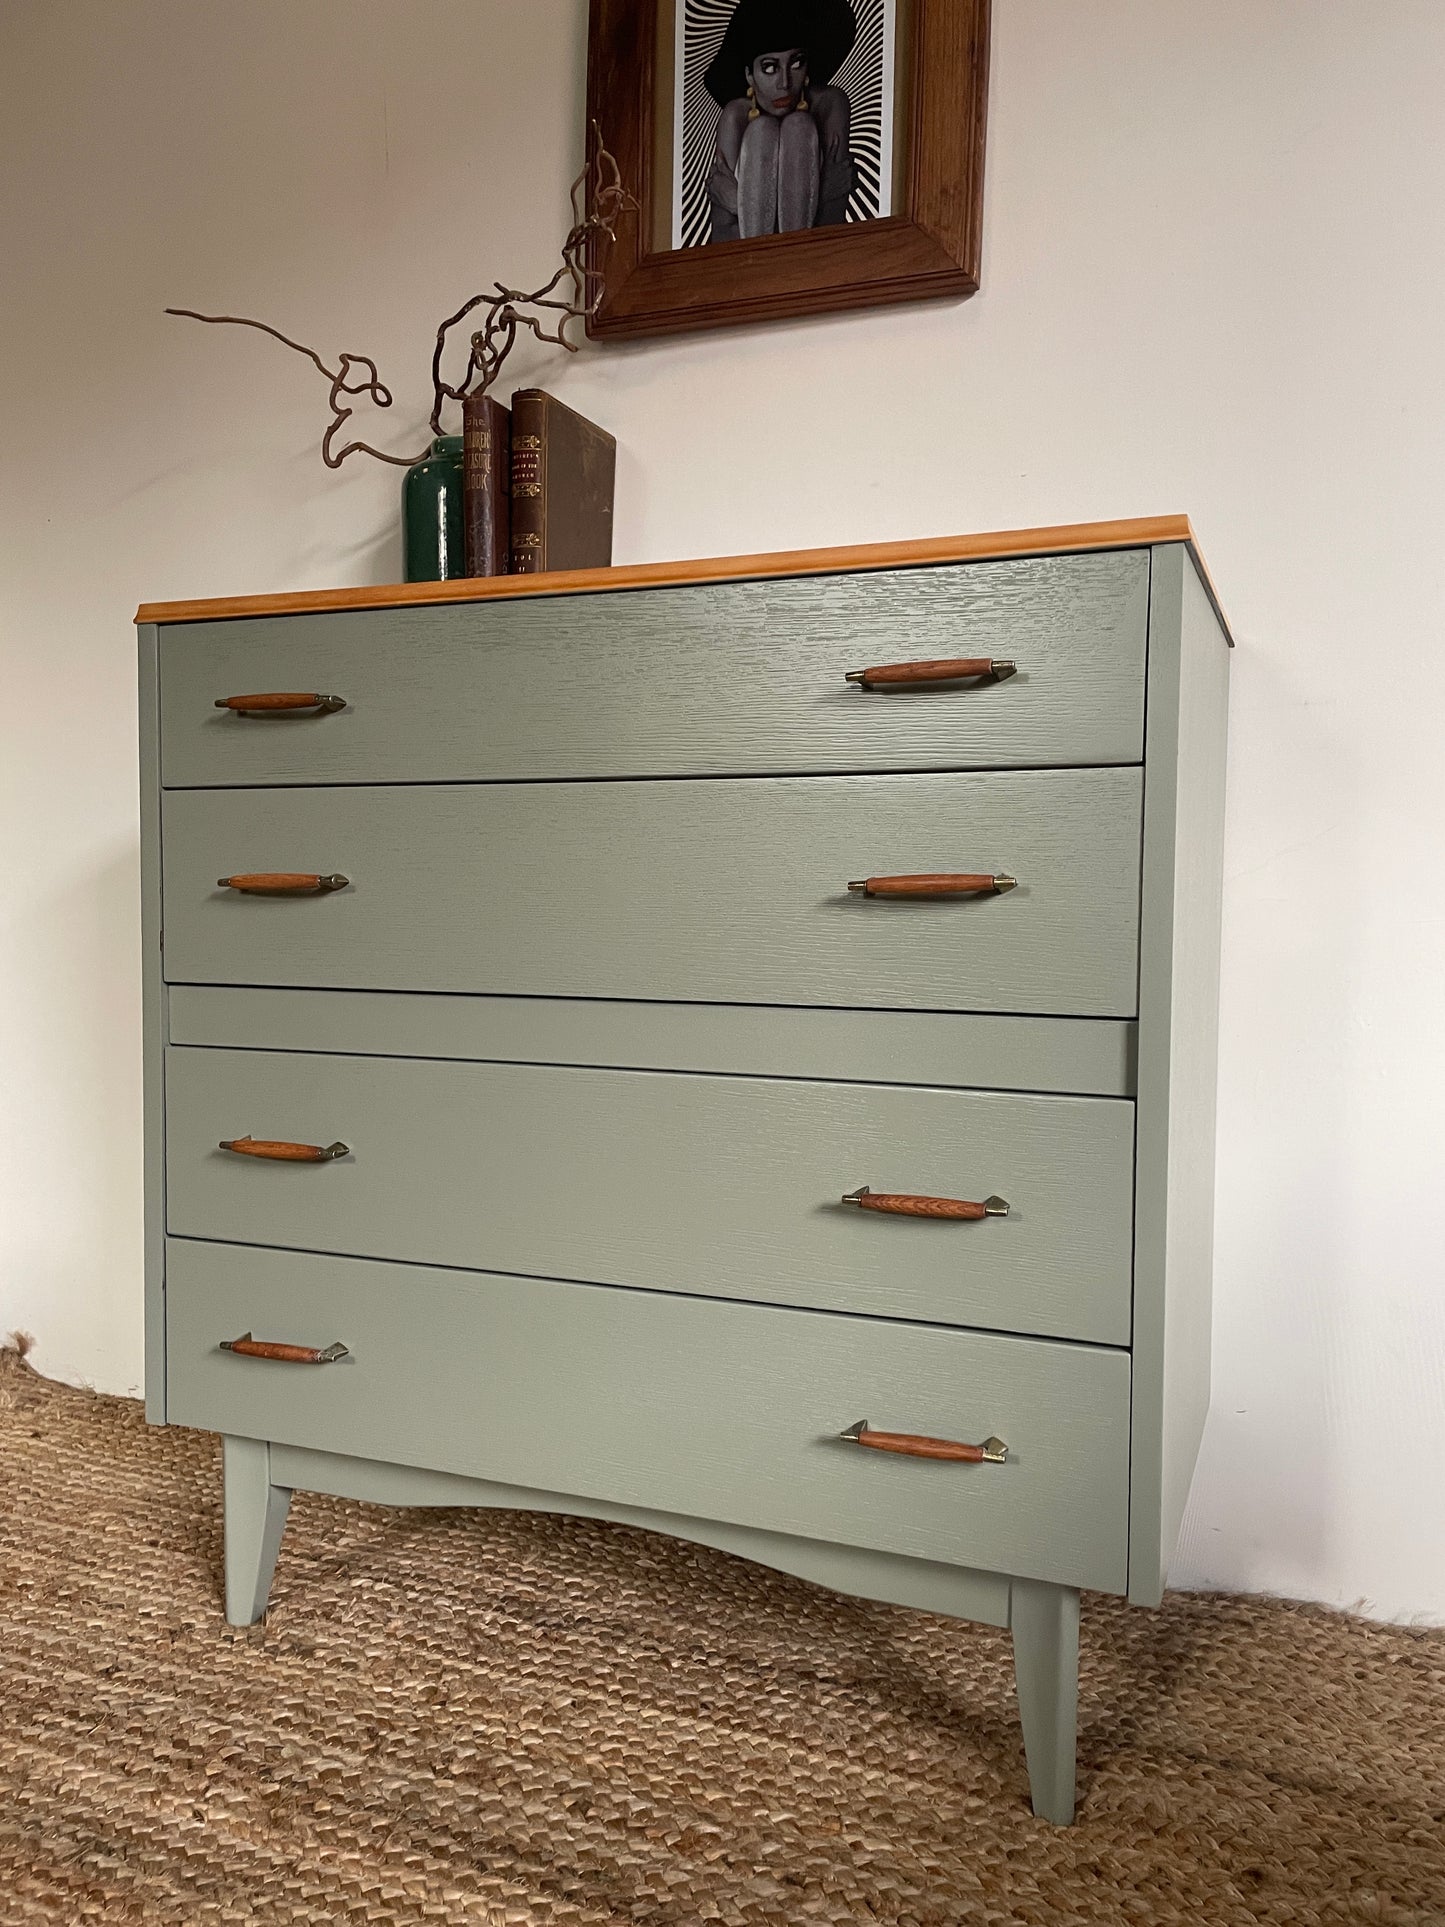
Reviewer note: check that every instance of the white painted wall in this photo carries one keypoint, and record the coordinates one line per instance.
(1213, 282)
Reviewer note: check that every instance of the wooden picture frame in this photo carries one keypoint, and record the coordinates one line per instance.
(928, 250)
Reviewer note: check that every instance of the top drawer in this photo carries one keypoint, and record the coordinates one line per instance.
(737, 678)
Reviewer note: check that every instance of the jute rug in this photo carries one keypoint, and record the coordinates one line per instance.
(470, 1717)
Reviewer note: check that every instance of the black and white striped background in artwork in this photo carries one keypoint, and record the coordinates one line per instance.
(861, 78)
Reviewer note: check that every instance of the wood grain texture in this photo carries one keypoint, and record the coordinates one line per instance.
(277, 1153)
(929, 248)
(280, 1353)
(900, 1204)
(1063, 539)
(282, 883)
(280, 702)
(723, 1186)
(910, 1445)
(748, 677)
(709, 890)
(1178, 1049)
(723, 1411)
(946, 669)
(1072, 1056)
(972, 883)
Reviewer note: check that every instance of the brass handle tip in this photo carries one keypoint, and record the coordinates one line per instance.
(854, 1197)
(1005, 883)
(1003, 670)
(855, 1433)
(996, 1207)
(860, 885)
(995, 1452)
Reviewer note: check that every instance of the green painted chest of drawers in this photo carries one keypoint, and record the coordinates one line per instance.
(601, 1048)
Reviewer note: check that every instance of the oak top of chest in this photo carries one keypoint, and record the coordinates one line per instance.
(1073, 538)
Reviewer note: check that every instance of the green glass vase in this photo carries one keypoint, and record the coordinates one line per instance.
(431, 514)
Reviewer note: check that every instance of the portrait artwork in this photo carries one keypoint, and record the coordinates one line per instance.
(782, 116)
(786, 157)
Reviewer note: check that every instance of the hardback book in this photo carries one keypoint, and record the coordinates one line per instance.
(563, 469)
(486, 486)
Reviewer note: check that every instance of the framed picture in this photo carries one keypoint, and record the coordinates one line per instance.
(788, 157)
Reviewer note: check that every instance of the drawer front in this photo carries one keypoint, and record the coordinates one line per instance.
(725, 1186)
(729, 678)
(717, 1411)
(703, 891)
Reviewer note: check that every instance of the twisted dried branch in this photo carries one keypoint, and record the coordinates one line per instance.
(583, 252)
(371, 386)
(494, 340)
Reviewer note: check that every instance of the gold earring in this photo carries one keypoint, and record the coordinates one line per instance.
(752, 103)
(802, 106)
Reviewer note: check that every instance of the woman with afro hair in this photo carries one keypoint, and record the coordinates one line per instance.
(782, 159)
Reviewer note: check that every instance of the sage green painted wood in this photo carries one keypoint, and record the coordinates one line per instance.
(685, 1405)
(922, 1583)
(726, 1186)
(153, 1031)
(255, 1514)
(1045, 1624)
(1084, 1056)
(1178, 1040)
(713, 891)
(728, 678)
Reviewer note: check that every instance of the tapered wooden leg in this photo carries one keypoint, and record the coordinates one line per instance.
(255, 1519)
(1045, 1624)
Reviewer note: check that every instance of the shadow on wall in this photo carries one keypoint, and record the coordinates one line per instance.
(1271, 1506)
(375, 557)
(72, 1219)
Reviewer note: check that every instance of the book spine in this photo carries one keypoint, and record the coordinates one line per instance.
(486, 486)
(529, 484)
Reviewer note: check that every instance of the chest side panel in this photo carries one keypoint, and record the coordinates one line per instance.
(1177, 1072)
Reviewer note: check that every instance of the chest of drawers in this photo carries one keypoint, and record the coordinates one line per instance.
(605, 1054)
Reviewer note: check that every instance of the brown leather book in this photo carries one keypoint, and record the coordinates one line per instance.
(486, 486)
(563, 467)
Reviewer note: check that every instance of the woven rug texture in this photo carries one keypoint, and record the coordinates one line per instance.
(516, 1718)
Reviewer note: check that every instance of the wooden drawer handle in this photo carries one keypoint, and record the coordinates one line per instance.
(991, 1452)
(250, 1347)
(903, 1205)
(282, 1153)
(283, 883)
(933, 885)
(279, 702)
(954, 669)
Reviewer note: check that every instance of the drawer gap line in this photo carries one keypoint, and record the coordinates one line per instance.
(672, 1003)
(669, 1070)
(645, 1291)
(691, 776)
